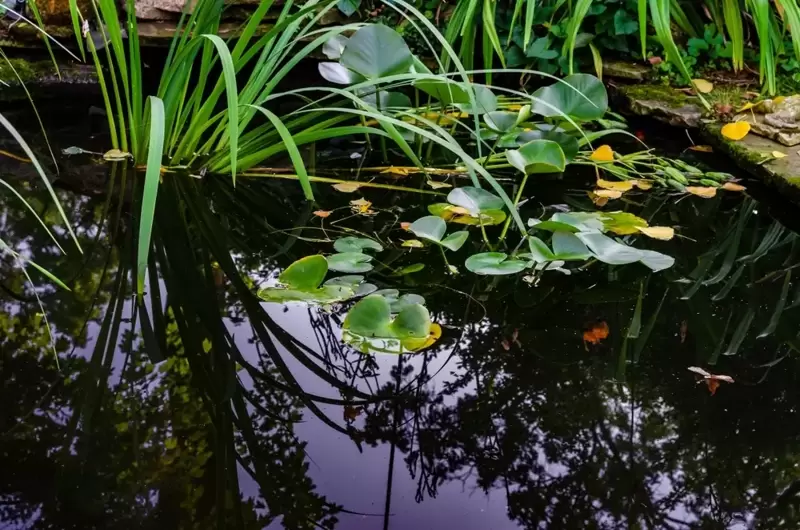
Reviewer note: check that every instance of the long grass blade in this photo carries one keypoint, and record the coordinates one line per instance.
(232, 93)
(151, 181)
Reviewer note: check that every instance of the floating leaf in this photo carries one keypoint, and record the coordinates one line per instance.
(702, 148)
(643, 185)
(347, 187)
(338, 74)
(409, 269)
(569, 144)
(376, 51)
(305, 273)
(405, 225)
(567, 246)
(356, 244)
(622, 185)
(702, 191)
(500, 121)
(430, 227)
(350, 262)
(538, 156)
(322, 213)
(665, 233)
(438, 185)
(475, 199)
(451, 92)
(596, 333)
(494, 264)
(580, 96)
(115, 155)
(622, 223)
(455, 240)
(608, 194)
(703, 86)
(732, 186)
(604, 153)
(736, 130)
(361, 206)
(711, 380)
(609, 251)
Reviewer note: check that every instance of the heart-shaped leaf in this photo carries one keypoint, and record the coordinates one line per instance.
(500, 121)
(376, 51)
(538, 156)
(334, 47)
(494, 264)
(582, 97)
(455, 240)
(429, 227)
(454, 93)
(540, 252)
(370, 317)
(356, 244)
(306, 273)
(351, 262)
(412, 322)
(609, 251)
(568, 143)
(475, 200)
(336, 73)
(567, 247)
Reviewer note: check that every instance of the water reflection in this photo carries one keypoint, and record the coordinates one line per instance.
(202, 407)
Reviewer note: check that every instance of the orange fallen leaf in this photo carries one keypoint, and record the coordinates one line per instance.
(596, 199)
(322, 213)
(711, 380)
(702, 148)
(702, 191)
(595, 334)
(361, 206)
(732, 186)
(735, 131)
(404, 225)
(604, 153)
(622, 185)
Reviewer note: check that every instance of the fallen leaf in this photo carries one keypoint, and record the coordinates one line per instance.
(596, 199)
(322, 213)
(404, 225)
(115, 155)
(347, 187)
(604, 153)
(595, 334)
(747, 106)
(778, 100)
(736, 130)
(399, 170)
(703, 86)
(433, 335)
(702, 148)
(684, 330)
(412, 243)
(360, 205)
(778, 154)
(609, 194)
(702, 191)
(437, 185)
(665, 233)
(655, 60)
(732, 186)
(643, 185)
(622, 185)
(711, 380)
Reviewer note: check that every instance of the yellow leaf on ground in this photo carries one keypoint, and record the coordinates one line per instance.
(703, 86)
(609, 194)
(622, 185)
(604, 153)
(701, 191)
(778, 154)
(436, 185)
(322, 213)
(412, 243)
(747, 106)
(736, 130)
(347, 187)
(643, 185)
(664, 233)
(732, 186)
(701, 148)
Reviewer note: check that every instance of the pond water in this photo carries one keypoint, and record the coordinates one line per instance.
(229, 412)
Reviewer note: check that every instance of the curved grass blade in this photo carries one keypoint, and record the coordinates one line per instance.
(229, 72)
(151, 181)
(776, 315)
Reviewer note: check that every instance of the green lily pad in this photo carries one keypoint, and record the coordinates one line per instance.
(486, 217)
(376, 51)
(500, 121)
(538, 156)
(622, 223)
(569, 144)
(612, 252)
(356, 244)
(410, 269)
(568, 247)
(582, 97)
(455, 240)
(583, 221)
(350, 262)
(475, 200)
(540, 252)
(372, 317)
(326, 294)
(305, 273)
(454, 93)
(551, 226)
(494, 264)
(429, 227)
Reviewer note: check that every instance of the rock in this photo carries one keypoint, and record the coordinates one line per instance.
(777, 119)
(659, 102)
(625, 70)
(41, 80)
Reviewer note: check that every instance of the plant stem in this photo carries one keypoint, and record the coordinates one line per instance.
(516, 201)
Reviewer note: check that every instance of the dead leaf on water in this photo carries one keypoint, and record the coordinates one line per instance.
(622, 185)
(595, 334)
(665, 233)
(399, 170)
(609, 194)
(437, 185)
(702, 191)
(115, 155)
(703, 86)
(604, 153)
(347, 187)
(712, 380)
(596, 199)
(732, 186)
(736, 130)
(322, 213)
(643, 185)
(412, 243)
(361, 206)
(702, 148)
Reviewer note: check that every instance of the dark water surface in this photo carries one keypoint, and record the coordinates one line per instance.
(228, 412)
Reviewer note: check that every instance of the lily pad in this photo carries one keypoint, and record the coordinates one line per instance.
(455, 240)
(372, 318)
(475, 200)
(336, 73)
(612, 252)
(351, 262)
(455, 93)
(500, 121)
(568, 247)
(568, 143)
(459, 215)
(494, 264)
(429, 227)
(582, 97)
(538, 156)
(356, 244)
(305, 273)
(376, 51)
